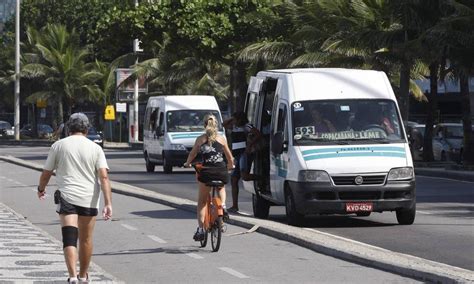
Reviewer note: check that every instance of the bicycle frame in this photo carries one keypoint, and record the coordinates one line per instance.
(213, 209)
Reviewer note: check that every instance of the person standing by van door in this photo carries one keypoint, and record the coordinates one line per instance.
(80, 164)
(237, 124)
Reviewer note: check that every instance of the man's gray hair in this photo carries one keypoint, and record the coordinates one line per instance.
(78, 122)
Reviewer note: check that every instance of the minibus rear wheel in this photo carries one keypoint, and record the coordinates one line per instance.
(150, 166)
(261, 206)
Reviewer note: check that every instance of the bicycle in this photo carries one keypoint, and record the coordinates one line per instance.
(213, 219)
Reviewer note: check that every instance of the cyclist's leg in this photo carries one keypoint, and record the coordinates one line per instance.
(86, 229)
(202, 200)
(70, 251)
(222, 196)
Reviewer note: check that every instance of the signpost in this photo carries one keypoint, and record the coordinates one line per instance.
(121, 108)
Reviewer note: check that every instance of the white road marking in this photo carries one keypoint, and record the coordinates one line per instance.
(195, 256)
(449, 179)
(157, 239)
(424, 212)
(233, 272)
(131, 228)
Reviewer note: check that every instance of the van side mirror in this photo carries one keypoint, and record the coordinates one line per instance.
(278, 144)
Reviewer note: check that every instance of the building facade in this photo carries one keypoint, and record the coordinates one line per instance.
(7, 10)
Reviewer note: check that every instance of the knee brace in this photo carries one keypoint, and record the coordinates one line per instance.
(70, 235)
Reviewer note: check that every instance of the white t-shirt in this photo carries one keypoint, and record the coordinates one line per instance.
(77, 161)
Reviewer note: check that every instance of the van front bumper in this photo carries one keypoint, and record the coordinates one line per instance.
(325, 198)
(176, 157)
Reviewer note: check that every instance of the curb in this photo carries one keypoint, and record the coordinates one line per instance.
(331, 245)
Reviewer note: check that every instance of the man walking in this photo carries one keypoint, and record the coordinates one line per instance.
(79, 165)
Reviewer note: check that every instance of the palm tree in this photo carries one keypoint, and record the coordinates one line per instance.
(339, 33)
(170, 74)
(58, 60)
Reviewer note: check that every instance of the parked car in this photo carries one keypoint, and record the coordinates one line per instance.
(45, 131)
(416, 133)
(6, 129)
(448, 142)
(95, 136)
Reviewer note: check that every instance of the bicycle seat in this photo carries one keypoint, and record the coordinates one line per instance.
(216, 183)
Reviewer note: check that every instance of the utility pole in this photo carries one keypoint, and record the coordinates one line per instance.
(135, 91)
(17, 72)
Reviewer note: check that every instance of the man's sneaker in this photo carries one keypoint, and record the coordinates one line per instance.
(73, 280)
(225, 215)
(233, 209)
(199, 235)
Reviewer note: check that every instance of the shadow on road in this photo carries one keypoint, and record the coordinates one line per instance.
(335, 222)
(165, 214)
(170, 250)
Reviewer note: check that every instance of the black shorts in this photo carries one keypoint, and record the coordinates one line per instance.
(208, 174)
(67, 208)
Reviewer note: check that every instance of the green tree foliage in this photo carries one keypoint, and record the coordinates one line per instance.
(57, 59)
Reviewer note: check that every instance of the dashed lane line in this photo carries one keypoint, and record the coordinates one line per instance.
(424, 212)
(234, 272)
(195, 256)
(131, 228)
(157, 239)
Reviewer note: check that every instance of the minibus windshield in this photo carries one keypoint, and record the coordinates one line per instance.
(346, 122)
(189, 120)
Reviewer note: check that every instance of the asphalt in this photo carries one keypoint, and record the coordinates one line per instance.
(320, 242)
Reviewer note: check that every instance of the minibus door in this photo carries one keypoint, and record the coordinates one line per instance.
(279, 152)
(159, 135)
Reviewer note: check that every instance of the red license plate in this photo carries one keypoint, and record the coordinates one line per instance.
(359, 207)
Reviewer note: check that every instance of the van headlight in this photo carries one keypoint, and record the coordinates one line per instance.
(401, 174)
(313, 176)
(178, 147)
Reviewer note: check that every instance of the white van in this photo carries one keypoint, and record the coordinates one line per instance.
(171, 126)
(336, 144)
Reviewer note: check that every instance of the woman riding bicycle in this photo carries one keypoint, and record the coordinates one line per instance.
(212, 147)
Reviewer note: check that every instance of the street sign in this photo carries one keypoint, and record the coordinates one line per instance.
(121, 107)
(109, 113)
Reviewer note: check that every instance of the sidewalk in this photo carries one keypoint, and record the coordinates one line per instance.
(28, 254)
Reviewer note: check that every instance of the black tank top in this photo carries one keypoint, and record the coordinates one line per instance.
(212, 155)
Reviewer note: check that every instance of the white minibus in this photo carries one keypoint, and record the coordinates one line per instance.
(171, 126)
(336, 145)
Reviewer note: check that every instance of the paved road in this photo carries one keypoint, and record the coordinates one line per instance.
(443, 230)
(149, 242)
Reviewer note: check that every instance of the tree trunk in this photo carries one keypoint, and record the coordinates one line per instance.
(431, 112)
(468, 149)
(241, 85)
(238, 85)
(34, 124)
(60, 112)
(404, 94)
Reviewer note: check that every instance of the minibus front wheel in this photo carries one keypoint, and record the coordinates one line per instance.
(292, 216)
(406, 216)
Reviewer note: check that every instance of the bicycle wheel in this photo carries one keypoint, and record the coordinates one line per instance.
(204, 241)
(216, 234)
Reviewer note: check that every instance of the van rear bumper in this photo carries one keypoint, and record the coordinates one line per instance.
(325, 198)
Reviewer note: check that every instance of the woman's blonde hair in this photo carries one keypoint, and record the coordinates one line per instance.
(210, 122)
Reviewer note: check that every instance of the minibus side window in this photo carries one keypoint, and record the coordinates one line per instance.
(251, 106)
(281, 123)
(160, 124)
